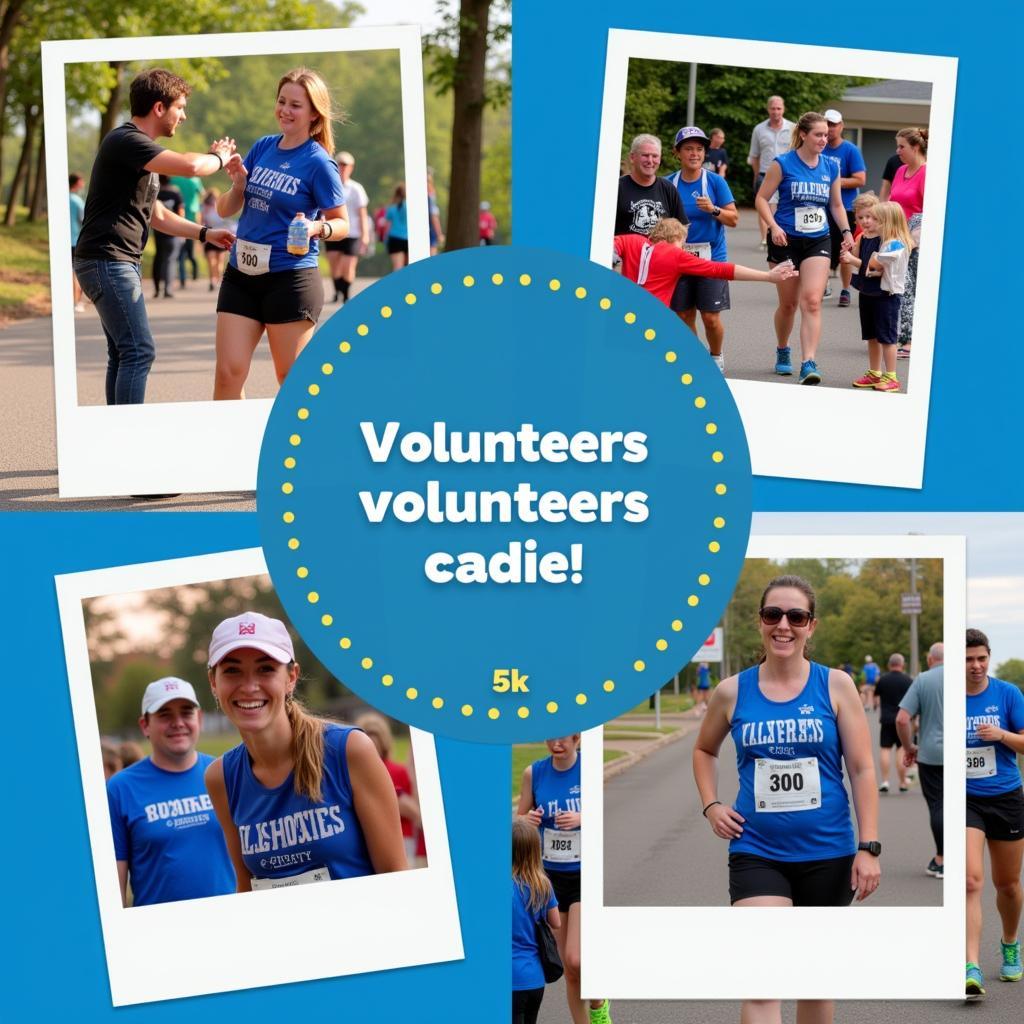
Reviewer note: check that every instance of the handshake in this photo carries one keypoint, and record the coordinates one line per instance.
(231, 159)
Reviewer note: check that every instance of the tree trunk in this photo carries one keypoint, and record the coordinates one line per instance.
(467, 126)
(37, 208)
(10, 15)
(23, 162)
(108, 118)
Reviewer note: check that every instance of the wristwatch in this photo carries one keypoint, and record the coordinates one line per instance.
(715, 211)
(202, 239)
(847, 231)
(874, 848)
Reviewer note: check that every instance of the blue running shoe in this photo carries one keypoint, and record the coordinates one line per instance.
(1011, 969)
(783, 364)
(975, 985)
(809, 372)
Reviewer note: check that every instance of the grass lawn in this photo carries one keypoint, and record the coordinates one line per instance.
(525, 754)
(670, 704)
(614, 730)
(25, 273)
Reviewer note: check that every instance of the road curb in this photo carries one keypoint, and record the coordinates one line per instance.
(626, 762)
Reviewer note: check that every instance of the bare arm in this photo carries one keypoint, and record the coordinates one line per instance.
(883, 192)
(554, 919)
(409, 808)
(1013, 740)
(332, 223)
(855, 740)
(905, 731)
(376, 804)
(525, 809)
(193, 165)
(364, 226)
(724, 821)
(219, 798)
(835, 203)
(770, 185)
(122, 881)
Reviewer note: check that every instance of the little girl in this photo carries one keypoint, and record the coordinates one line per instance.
(532, 898)
(880, 255)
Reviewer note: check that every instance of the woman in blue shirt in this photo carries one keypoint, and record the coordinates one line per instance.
(268, 286)
(995, 809)
(301, 799)
(794, 724)
(808, 184)
(397, 219)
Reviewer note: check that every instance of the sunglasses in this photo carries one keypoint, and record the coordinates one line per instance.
(772, 616)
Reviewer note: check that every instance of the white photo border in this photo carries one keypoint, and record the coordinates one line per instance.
(152, 952)
(188, 447)
(837, 427)
(795, 963)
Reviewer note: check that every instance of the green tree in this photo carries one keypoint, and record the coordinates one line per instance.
(1012, 671)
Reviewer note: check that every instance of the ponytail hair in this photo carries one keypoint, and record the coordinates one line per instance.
(307, 749)
(805, 124)
(916, 137)
(527, 868)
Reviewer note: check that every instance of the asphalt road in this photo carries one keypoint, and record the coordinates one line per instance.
(750, 335)
(184, 330)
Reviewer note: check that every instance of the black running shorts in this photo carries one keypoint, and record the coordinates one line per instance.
(567, 888)
(798, 249)
(999, 817)
(280, 297)
(808, 883)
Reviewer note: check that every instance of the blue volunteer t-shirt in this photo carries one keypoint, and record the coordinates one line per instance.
(849, 160)
(802, 189)
(991, 766)
(283, 182)
(166, 830)
(527, 972)
(398, 218)
(870, 673)
(703, 226)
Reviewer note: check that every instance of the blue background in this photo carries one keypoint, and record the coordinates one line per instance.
(973, 463)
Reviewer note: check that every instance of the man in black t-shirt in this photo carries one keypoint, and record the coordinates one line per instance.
(890, 689)
(892, 165)
(121, 206)
(644, 198)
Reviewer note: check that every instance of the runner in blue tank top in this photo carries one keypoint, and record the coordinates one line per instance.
(808, 185)
(549, 798)
(995, 809)
(794, 724)
(300, 800)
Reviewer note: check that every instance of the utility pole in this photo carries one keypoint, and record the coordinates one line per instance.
(691, 94)
(915, 661)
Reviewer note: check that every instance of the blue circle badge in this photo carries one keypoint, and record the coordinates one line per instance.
(504, 495)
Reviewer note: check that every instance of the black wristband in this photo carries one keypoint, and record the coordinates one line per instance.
(202, 237)
(847, 231)
(709, 806)
(220, 158)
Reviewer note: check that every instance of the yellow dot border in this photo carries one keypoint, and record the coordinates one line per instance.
(669, 357)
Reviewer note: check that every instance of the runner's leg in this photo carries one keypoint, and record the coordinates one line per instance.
(286, 344)
(813, 276)
(975, 881)
(1007, 858)
(237, 338)
(789, 297)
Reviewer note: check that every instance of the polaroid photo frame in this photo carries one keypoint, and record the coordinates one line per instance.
(188, 447)
(791, 960)
(837, 427)
(142, 942)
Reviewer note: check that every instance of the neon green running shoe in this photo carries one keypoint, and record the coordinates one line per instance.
(975, 986)
(1011, 969)
(602, 1015)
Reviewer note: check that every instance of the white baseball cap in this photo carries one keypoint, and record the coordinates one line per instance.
(163, 691)
(252, 630)
(833, 116)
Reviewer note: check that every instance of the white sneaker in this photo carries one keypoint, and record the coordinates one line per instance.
(720, 363)
(884, 787)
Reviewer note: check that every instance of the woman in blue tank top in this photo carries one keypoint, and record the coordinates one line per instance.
(300, 799)
(808, 184)
(549, 798)
(794, 724)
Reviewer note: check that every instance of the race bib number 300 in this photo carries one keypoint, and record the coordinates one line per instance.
(252, 258)
(787, 785)
(809, 220)
(562, 847)
(981, 762)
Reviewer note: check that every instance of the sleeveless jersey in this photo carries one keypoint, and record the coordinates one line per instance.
(789, 759)
(555, 791)
(991, 766)
(804, 194)
(284, 835)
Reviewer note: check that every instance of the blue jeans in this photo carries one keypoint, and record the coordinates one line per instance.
(115, 289)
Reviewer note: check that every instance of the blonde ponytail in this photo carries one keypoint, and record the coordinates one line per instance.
(307, 750)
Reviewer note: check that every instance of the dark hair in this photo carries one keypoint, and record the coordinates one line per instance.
(917, 137)
(155, 86)
(975, 638)
(73, 179)
(797, 582)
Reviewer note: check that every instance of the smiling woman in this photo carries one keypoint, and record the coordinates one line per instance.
(300, 799)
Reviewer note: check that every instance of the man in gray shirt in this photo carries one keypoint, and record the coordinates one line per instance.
(924, 698)
(769, 139)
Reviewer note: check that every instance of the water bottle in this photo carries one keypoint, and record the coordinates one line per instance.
(298, 235)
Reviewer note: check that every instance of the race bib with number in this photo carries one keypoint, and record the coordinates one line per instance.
(252, 258)
(981, 762)
(561, 846)
(700, 249)
(809, 220)
(306, 878)
(787, 785)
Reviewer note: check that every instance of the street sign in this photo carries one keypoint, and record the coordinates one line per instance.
(711, 649)
(910, 604)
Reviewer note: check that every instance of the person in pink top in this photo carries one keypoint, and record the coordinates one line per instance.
(908, 190)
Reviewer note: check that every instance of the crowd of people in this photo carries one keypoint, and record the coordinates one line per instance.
(814, 223)
(290, 195)
(300, 799)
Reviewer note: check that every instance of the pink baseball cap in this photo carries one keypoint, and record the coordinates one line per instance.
(163, 691)
(253, 630)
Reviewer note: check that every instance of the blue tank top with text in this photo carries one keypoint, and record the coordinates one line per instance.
(804, 187)
(555, 791)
